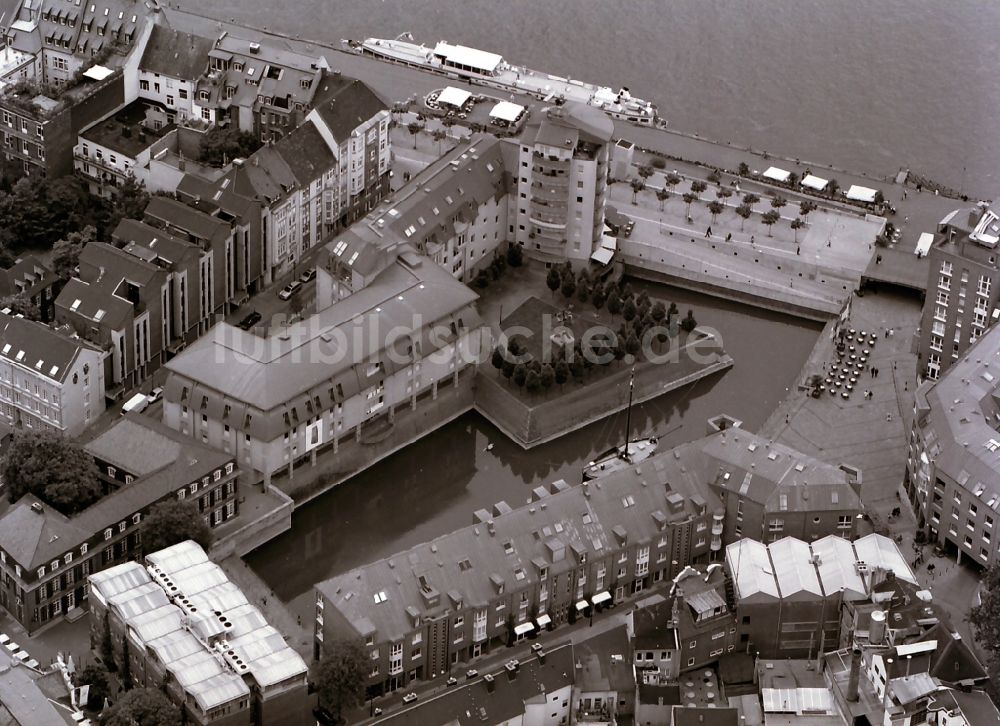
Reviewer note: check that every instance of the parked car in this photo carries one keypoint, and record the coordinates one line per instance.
(250, 320)
(452, 681)
(290, 289)
(410, 697)
(308, 275)
(136, 404)
(629, 226)
(155, 395)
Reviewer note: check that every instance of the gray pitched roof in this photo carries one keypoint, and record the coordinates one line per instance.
(346, 104)
(176, 54)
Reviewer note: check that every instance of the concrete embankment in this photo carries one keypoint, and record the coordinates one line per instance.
(530, 422)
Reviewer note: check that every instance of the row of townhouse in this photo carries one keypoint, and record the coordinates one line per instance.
(45, 556)
(49, 379)
(33, 280)
(183, 626)
(312, 386)
(155, 288)
(572, 550)
(84, 57)
(953, 462)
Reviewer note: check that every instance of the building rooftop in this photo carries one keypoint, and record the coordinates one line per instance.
(975, 706)
(604, 663)
(27, 275)
(176, 54)
(960, 418)
(191, 637)
(33, 533)
(126, 131)
(181, 219)
(343, 104)
(49, 352)
(22, 703)
(789, 566)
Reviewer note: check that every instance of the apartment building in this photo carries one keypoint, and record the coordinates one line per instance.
(604, 688)
(168, 72)
(961, 301)
(186, 628)
(515, 571)
(46, 557)
(319, 177)
(771, 491)
(258, 85)
(690, 629)
(48, 378)
(33, 279)
(454, 212)
(788, 594)
(954, 455)
(562, 180)
(277, 402)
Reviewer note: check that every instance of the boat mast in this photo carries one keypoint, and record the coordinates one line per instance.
(628, 413)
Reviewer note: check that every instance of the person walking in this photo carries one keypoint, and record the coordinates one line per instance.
(729, 237)
(798, 249)
(751, 239)
(708, 232)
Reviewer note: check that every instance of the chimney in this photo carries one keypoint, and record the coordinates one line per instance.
(491, 685)
(852, 684)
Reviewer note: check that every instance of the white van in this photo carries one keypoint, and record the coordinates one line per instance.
(137, 403)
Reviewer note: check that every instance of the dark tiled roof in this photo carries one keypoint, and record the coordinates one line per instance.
(305, 153)
(606, 662)
(173, 53)
(345, 106)
(38, 346)
(179, 215)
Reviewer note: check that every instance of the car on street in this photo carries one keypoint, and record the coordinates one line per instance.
(155, 395)
(452, 681)
(410, 697)
(629, 226)
(308, 275)
(250, 320)
(289, 290)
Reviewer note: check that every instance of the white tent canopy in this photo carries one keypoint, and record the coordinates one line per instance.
(861, 194)
(924, 244)
(507, 111)
(97, 73)
(603, 255)
(452, 96)
(777, 174)
(814, 182)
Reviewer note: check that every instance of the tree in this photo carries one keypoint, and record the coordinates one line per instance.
(54, 469)
(715, 207)
(806, 206)
(671, 180)
(520, 374)
(515, 255)
(414, 128)
(637, 186)
(778, 201)
(508, 369)
(129, 201)
(568, 287)
(658, 312)
(96, 677)
(614, 304)
(577, 368)
(221, 144)
(632, 344)
(832, 187)
(645, 171)
(107, 647)
(553, 279)
(689, 199)
(662, 195)
(698, 187)
(126, 672)
(40, 210)
(583, 292)
(598, 297)
(723, 193)
(743, 211)
(796, 225)
(770, 218)
(714, 176)
(879, 197)
(439, 135)
(146, 706)
(498, 357)
(985, 617)
(533, 382)
(689, 323)
(629, 310)
(743, 169)
(561, 371)
(547, 376)
(66, 252)
(21, 304)
(750, 199)
(173, 521)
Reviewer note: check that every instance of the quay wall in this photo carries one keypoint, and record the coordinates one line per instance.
(256, 532)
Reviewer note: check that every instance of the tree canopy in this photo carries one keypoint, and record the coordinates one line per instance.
(173, 521)
(223, 144)
(54, 469)
(21, 304)
(66, 252)
(985, 617)
(341, 676)
(39, 211)
(96, 677)
(146, 706)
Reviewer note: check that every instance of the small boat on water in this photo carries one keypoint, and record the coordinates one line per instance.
(626, 455)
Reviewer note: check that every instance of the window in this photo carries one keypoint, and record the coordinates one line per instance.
(844, 521)
(182, 93)
(107, 534)
(143, 85)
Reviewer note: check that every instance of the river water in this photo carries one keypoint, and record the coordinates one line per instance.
(866, 86)
(434, 486)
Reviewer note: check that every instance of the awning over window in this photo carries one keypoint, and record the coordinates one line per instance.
(524, 628)
(601, 597)
(582, 605)
(543, 620)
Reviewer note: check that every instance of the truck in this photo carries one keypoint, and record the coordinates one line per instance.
(136, 404)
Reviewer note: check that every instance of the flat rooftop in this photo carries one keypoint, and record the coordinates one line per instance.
(125, 132)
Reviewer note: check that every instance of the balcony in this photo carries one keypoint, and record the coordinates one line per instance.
(716, 543)
(545, 181)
